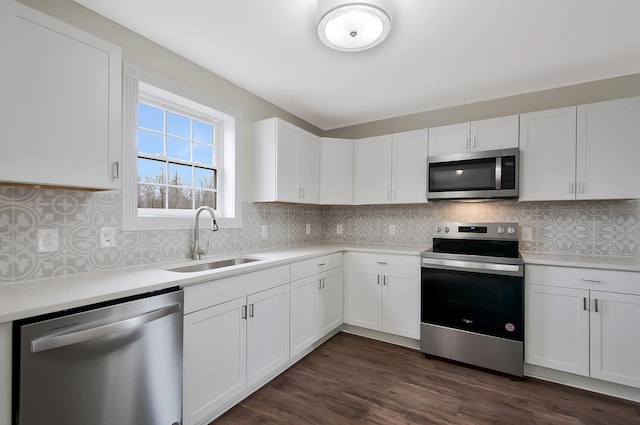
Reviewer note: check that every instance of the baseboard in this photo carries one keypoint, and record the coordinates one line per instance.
(381, 336)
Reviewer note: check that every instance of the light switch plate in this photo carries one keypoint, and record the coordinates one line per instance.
(392, 229)
(308, 229)
(107, 237)
(339, 229)
(265, 231)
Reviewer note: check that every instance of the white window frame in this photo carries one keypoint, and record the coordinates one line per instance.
(229, 213)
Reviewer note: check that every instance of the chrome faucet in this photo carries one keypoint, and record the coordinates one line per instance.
(197, 251)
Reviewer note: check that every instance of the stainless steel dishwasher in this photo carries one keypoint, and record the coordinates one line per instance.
(115, 363)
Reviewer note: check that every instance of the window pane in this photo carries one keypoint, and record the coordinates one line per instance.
(178, 125)
(178, 149)
(180, 198)
(150, 171)
(203, 132)
(151, 196)
(203, 154)
(150, 117)
(180, 175)
(205, 178)
(205, 198)
(152, 143)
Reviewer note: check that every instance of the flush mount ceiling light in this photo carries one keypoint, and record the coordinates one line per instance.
(351, 26)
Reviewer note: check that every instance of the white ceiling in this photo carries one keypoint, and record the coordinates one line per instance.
(440, 53)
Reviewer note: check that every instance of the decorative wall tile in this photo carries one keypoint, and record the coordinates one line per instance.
(609, 228)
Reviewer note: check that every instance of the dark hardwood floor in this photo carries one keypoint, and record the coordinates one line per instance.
(354, 380)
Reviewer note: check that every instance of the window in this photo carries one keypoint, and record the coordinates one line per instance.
(179, 155)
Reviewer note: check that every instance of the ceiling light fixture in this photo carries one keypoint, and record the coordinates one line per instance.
(351, 26)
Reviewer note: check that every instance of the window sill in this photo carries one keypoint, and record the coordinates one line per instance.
(173, 223)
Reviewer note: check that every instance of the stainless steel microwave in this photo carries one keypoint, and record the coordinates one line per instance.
(474, 175)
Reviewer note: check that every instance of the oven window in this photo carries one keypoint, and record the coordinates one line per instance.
(483, 303)
(476, 174)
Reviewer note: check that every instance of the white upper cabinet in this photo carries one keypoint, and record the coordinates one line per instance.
(391, 168)
(484, 135)
(548, 155)
(63, 103)
(584, 152)
(286, 162)
(336, 171)
(608, 149)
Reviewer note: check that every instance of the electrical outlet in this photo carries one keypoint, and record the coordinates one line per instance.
(265, 231)
(48, 240)
(392, 229)
(527, 233)
(308, 229)
(107, 237)
(339, 229)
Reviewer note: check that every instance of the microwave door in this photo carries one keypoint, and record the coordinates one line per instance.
(463, 175)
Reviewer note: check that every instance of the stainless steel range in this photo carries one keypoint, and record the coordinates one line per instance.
(472, 296)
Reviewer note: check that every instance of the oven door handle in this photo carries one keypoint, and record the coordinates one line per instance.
(473, 266)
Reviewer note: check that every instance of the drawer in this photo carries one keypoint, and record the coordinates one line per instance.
(583, 278)
(315, 265)
(207, 294)
(389, 262)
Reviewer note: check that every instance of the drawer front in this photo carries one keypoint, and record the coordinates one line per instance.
(583, 278)
(389, 263)
(203, 295)
(317, 265)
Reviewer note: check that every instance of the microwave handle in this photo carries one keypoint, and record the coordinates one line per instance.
(499, 172)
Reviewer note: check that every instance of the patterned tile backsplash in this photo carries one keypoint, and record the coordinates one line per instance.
(608, 228)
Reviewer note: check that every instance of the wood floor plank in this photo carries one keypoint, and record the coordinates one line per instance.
(355, 380)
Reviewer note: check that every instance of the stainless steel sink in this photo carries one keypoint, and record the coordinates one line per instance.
(214, 265)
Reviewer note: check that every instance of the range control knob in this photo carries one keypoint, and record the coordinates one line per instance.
(511, 230)
(446, 229)
(500, 230)
(438, 229)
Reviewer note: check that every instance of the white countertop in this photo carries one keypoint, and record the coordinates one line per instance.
(26, 299)
(583, 261)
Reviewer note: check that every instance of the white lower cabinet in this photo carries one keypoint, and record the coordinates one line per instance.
(231, 346)
(588, 326)
(383, 292)
(316, 300)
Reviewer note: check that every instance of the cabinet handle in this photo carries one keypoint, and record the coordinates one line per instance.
(321, 264)
(250, 310)
(323, 283)
(395, 194)
(572, 187)
(115, 170)
(304, 193)
(382, 263)
(466, 144)
(589, 279)
(324, 195)
(319, 283)
(384, 280)
(378, 279)
(584, 303)
(581, 187)
(596, 304)
(388, 194)
(244, 311)
(475, 141)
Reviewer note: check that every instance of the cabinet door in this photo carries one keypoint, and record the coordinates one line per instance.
(449, 139)
(548, 155)
(286, 162)
(214, 359)
(615, 345)
(267, 332)
(67, 105)
(331, 300)
(364, 298)
(608, 150)
(308, 163)
(336, 175)
(305, 313)
(409, 179)
(557, 328)
(495, 133)
(372, 173)
(401, 304)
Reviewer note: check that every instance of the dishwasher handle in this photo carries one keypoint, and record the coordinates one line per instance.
(57, 341)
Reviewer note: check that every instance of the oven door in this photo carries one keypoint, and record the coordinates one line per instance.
(475, 299)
